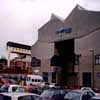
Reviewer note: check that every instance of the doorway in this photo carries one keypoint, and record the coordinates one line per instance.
(64, 58)
(87, 79)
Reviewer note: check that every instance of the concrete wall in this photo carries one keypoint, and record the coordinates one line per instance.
(83, 46)
(43, 50)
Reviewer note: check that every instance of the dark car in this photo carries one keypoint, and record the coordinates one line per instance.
(53, 94)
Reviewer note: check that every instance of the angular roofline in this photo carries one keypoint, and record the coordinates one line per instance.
(53, 17)
(80, 8)
(18, 45)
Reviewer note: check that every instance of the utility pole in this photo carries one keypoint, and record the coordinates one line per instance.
(92, 51)
(8, 62)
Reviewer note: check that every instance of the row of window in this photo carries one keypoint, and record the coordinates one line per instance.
(24, 50)
(33, 80)
(96, 59)
(37, 62)
(46, 75)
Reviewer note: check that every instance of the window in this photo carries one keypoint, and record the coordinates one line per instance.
(35, 62)
(97, 59)
(45, 76)
(14, 89)
(32, 80)
(39, 80)
(53, 77)
(35, 80)
(73, 96)
(76, 59)
(28, 78)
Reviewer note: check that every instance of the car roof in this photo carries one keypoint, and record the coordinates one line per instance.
(18, 94)
(14, 85)
(11, 85)
(96, 97)
(35, 76)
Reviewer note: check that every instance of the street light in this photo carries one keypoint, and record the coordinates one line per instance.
(79, 55)
(92, 51)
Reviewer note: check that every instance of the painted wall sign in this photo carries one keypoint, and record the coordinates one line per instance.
(64, 30)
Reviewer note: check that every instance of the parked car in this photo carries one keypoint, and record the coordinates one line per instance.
(53, 94)
(12, 88)
(19, 96)
(79, 95)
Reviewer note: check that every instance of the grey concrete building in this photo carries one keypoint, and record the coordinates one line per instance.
(69, 50)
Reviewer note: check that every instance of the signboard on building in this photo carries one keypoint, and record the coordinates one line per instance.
(63, 30)
(98, 74)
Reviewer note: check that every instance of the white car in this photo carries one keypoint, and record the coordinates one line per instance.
(12, 88)
(19, 96)
(16, 88)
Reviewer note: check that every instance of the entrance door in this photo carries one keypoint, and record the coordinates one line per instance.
(45, 76)
(86, 79)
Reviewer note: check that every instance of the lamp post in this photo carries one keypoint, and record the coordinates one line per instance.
(92, 51)
(79, 55)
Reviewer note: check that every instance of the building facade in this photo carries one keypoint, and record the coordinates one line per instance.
(69, 50)
(22, 63)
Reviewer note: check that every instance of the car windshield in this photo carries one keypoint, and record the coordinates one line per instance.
(50, 93)
(20, 89)
(47, 93)
(73, 95)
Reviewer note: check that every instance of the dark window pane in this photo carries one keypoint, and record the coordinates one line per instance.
(97, 59)
(35, 62)
(45, 76)
(32, 80)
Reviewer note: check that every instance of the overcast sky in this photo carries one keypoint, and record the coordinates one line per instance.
(20, 19)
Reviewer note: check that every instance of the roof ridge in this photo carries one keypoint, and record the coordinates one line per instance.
(53, 16)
